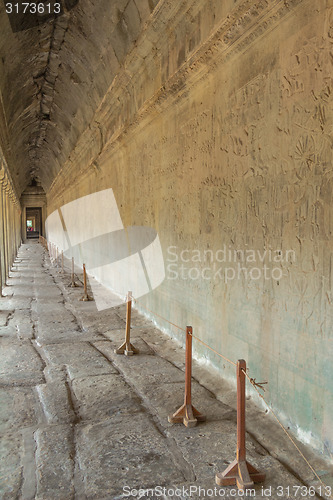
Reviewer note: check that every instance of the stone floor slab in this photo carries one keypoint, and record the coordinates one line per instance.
(144, 368)
(130, 449)
(55, 401)
(54, 461)
(104, 396)
(80, 358)
(93, 422)
(10, 466)
(18, 408)
(20, 364)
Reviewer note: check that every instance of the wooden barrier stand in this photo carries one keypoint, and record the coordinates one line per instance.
(187, 414)
(240, 471)
(73, 284)
(127, 348)
(85, 297)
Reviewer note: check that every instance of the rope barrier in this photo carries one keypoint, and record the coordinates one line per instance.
(45, 244)
(256, 385)
(285, 431)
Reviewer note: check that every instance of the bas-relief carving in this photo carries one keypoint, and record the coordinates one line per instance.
(306, 116)
(299, 176)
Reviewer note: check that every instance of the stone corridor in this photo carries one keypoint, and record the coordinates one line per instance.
(80, 422)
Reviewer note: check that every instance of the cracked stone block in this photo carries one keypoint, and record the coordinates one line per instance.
(69, 336)
(81, 359)
(24, 326)
(18, 408)
(55, 401)
(48, 332)
(99, 321)
(54, 461)
(208, 443)
(20, 364)
(131, 449)
(104, 396)
(52, 320)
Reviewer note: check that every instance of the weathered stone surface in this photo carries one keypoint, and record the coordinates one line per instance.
(23, 324)
(18, 408)
(54, 462)
(4, 317)
(55, 402)
(10, 466)
(20, 364)
(105, 396)
(167, 398)
(117, 337)
(89, 430)
(80, 359)
(226, 110)
(129, 450)
(147, 369)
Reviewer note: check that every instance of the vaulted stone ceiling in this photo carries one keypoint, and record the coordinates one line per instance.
(53, 77)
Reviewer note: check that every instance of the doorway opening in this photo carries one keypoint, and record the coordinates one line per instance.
(34, 222)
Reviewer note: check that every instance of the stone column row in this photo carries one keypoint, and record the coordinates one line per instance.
(10, 228)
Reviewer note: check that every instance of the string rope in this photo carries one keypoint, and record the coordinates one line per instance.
(213, 350)
(155, 314)
(256, 385)
(284, 429)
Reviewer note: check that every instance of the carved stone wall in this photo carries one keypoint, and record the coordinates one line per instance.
(219, 135)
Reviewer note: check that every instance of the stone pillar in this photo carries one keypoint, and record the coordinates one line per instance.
(10, 216)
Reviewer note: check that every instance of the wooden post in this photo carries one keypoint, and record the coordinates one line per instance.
(187, 414)
(85, 297)
(73, 284)
(240, 471)
(127, 348)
